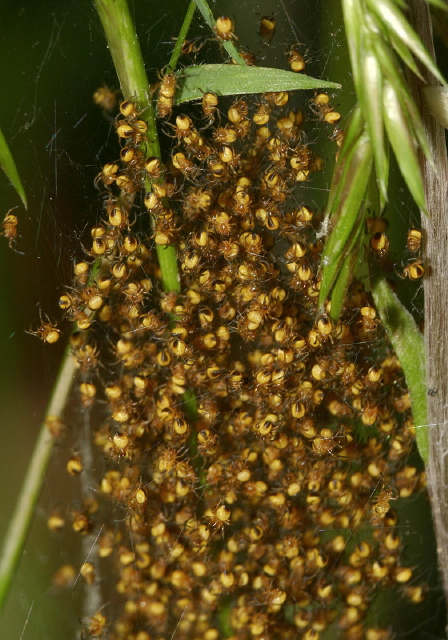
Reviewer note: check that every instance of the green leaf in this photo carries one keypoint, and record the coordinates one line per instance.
(354, 28)
(390, 37)
(395, 22)
(344, 278)
(408, 344)
(395, 76)
(349, 214)
(341, 185)
(403, 51)
(404, 145)
(333, 263)
(9, 167)
(350, 184)
(227, 79)
(353, 131)
(373, 111)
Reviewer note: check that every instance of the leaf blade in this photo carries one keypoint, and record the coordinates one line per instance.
(9, 167)
(226, 79)
(408, 343)
(403, 145)
(390, 15)
(373, 111)
(345, 277)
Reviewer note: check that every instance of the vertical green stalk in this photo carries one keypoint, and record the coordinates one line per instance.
(128, 61)
(172, 64)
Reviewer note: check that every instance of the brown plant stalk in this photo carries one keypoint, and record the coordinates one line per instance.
(435, 228)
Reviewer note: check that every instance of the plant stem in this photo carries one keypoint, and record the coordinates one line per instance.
(172, 64)
(128, 61)
(21, 519)
(436, 297)
(126, 54)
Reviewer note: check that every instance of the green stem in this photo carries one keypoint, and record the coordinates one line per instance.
(172, 64)
(126, 53)
(21, 519)
(128, 61)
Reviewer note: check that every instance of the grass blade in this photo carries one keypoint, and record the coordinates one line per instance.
(393, 73)
(352, 191)
(403, 144)
(345, 277)
(373, 112)
(403, 52)
(350, 215)
(226, 80)
(352, 133)
(396, 23)
(180, 40)
(9, 167)
(408, 344)
(332, 264)
(353, 21)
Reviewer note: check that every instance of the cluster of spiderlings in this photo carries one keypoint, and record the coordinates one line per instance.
(252, 445)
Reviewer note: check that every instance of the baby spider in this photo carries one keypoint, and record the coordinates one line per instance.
(106, 98)
(414, 240)
(267, 27)
(96, 625)
(414, 271)
(47, 332)
(192, 46)
(167, 90)
(209, 106)
(296, 60)
(381, 504)
(224, 28)
(9, 225)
